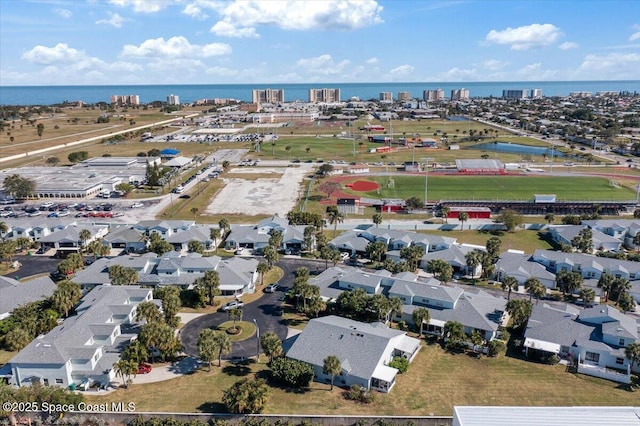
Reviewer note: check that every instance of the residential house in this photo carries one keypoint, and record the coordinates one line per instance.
(237, 275)
(257, 237)
(126, 238)
(364, 351)
(165, 228)
(85, 346)
(180, 240)
(564, 234)
(14, 293)
(588, 265)
(622, 229)
(68, 240)
(522, 267)
(454, 255)
(594, 339)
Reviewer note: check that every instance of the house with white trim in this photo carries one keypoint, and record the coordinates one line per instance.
(364, 350)
(594, 339)
(85, 346)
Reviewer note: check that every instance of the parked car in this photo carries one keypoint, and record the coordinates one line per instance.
(271, 288)
(136, 205)
(232, 305)
(144, 368)
(185, 196)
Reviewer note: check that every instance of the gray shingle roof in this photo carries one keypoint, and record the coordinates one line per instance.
(14, 293)
(359, 346)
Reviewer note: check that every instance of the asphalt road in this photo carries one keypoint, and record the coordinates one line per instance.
(261, 310)
(33, 265)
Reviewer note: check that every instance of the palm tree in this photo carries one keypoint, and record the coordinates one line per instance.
(84, 235)
(509, 283)
(463, 217)
(209, 285)
(125, 369)
(568, 281)
(332, 366)
(605, 282)
(587, 295)
(288, 149)
(271, 345)
(472, 260)
(632, 353)
(195, 211)
(421, 316)
(207, 348)
(214, 234)
(549, 217)
(222, 343)
(444, 213)
(377, 219)
(66, 296)
(307, 150)
(224, 225)
(148, 311)
(262, 269)
(535, 288)
(395, 307)
(520, 311)
(335, 217)
(235, 315)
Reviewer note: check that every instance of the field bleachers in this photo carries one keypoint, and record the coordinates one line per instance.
(607, 208)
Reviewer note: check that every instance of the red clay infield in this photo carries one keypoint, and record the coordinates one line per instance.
(363, 185)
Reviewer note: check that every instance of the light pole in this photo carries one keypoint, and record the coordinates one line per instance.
(426, 175)
(257, 338)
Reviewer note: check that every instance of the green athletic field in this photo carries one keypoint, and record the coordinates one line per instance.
(516, 188)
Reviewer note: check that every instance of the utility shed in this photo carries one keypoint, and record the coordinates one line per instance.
(546, 416)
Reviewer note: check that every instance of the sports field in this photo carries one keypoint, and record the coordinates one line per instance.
(517, 188)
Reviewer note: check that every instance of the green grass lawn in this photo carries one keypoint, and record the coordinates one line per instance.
(528, 241)
(435, 382)
(517, 188)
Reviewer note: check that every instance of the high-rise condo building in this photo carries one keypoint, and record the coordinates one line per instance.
(267, 96)
(433, 95)
(515, 94)
(460, 94)
(324, 95)
(173, 100)
(125, 99)
(386, 96)
(536, 93)
(404, 96)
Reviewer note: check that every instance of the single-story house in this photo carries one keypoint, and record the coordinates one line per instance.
(588, 265)
(364, 351)
(564, 234)
(521, 267)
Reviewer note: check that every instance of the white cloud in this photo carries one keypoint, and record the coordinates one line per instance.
(372, 61)
(143, 6)
(402, 71)
(494, 64)
(635, 36)
(525, 38)
(614, 66)
(568, 45)
(241, 17)
(114, 20)
(195, 11)
(323, 65)
(226, 29)
(457, 74)
(175, 47)
(221, 71)
(535, 72)
(64, 13)
(60, 53)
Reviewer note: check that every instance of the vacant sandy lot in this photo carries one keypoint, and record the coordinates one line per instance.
(261, 196)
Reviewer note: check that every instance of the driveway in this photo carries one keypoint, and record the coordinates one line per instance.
(261, 310)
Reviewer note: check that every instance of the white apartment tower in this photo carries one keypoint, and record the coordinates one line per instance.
(324, 95)
(433, 95)
(404, 96)
(268, 96)
(460, 94)
(515, 94)
(536, 93)
(386, 96)
(173, 100)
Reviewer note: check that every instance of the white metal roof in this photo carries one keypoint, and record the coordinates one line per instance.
(546, 416)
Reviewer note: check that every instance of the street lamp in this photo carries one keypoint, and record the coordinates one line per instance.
(426, 175)
(257, 338)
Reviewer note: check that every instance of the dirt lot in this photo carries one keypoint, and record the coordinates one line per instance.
(260, 196)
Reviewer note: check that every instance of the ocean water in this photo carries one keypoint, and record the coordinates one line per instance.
(47, 95)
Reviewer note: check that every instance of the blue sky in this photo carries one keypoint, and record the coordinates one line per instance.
(70, 42)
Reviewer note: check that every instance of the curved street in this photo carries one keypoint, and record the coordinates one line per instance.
(262, 310)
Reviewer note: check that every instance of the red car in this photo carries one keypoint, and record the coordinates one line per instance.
(144, 368)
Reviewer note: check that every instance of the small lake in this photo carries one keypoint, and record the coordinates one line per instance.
(515, 148)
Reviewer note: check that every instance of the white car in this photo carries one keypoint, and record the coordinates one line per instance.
(137, 205)
(232, 305)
